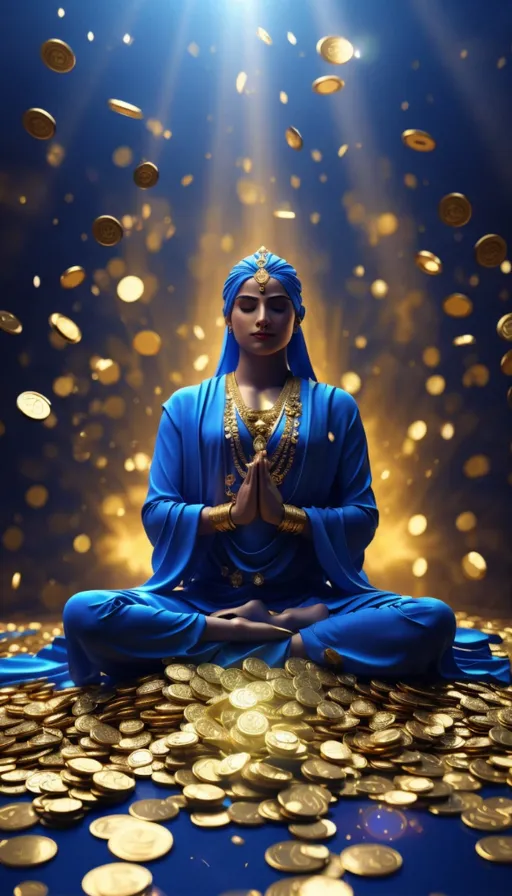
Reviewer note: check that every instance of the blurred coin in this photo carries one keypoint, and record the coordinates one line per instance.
(126, 109)
(317, 830)
(58, 56)
(321, 885)
(65, 327)
(141, 841)
(146, 175)
(27, 851)
(291, 855)
(107, 230)
(337, 50)
(486, 819)
(420, 141)
(153, 810)
(72, 277)
(107, 825)
(506, 368)
(117, 879)
(428, 262)
(490, 250)
(10, 323)
(399, 798)
(210, 819)
(371, 860)
(245, 813)
(17, 817)
(31, 888)
(327, 84)
(33, 405)
(503, 327)
(455, 209)
(294, 138)
(39, 124)
(495, 849)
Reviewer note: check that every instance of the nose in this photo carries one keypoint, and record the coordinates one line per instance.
(262, 319)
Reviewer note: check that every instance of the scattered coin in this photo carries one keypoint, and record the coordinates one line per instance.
(503, 327)
(126, 109)
(10, 323)
(39, 124)
(146, 175)
(337, 50)
(31, 888)
(27, 851)
(141, 841)
(428, 263)
(58, 56)
(107, 231)
(495, 849)
(294, 138)
(371, 860)
(34, 405)
(486, 819)
(291, 855)
(490, 250)
(117, 879)
(420, 141)
(65, 327)
(455, 209)
(327, 84)
(72, 277)
(105, 827)
(154, 810)
(17, 817)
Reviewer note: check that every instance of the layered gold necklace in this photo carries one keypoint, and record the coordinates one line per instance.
(260, 424)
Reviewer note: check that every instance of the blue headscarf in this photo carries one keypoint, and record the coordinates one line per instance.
(297, 353)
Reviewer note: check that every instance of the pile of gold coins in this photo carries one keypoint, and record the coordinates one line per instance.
(249, 746)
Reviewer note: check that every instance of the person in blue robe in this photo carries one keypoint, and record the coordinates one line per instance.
(252, 585)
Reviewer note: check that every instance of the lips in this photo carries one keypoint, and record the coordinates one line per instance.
(263, 336)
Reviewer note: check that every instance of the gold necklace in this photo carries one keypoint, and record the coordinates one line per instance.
(260, 423)
(281, 460)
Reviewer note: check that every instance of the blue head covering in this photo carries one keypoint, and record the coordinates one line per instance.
(276, 267)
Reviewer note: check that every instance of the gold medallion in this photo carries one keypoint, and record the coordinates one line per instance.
(428, 263)
(327, 84)
(506, 368)
(455, 209)
(262, 277)
(490, 250)
(107, 230)
(72, 277)
(294, 138)
(126, 109)
(58, 56)
(146, 175)
(420, 141)
(34, 405)
(39, 124)
(65, 327)
(337, 50)
(9, 323)
(503, 327)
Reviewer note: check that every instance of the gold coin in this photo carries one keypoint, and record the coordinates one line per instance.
(84, 766)
(72, 277)
(107, 231)
(294, 138)
(63, 806)
(10, 323)
(307, 800)
(113, 781)
(420, 141)
(371, 860)
(461, 781)
(327, 84)
(131, 727)
(39, 124)
(27, 851)
(399, 798)
(495, 849)
(245, 813)
(290, 855)
(499, 804)
(317, 830)
(31, 888)
(486, 819)
(204, 793)
(456, 804)
(255, 667)
(58, 56)
(455, 209)
(506, 368)
(490, 250)
(141, 841)
(117, 879)
(428, 263)
(146, 175)
(252, 723)
(210, 819)
(105, 827)
(503, 327)
(17, 817)
(233, 764)
(126, 109)
(321, 885)
(337, 50)
(139, 758)
(65, 327)
(34, 405)
(154, 810)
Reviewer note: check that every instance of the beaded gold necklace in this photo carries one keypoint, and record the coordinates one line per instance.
(260, 424)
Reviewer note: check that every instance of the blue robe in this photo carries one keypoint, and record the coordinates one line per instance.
(379, 633)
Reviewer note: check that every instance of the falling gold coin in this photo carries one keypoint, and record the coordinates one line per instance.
(420, 141)
(264, 36)
(10, 323)
(72, 277)
(337, 50)
(117, 879)
(31, 888)
(65, 328)
(495, 849)
(27, 851)
(327, 84)
(294, 138)
(506, 368)
(503, 327)
(371, 860)
(146, 175)
(39, 124)
(58, 56)
(126, 109)
(455, 209)
(490, 250)
(107, 231)
(34, 405)
(428, 263)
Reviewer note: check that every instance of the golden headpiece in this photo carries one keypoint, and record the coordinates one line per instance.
(262, 276)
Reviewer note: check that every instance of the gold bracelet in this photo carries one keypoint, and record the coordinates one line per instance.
(220, 517)
(294, 520)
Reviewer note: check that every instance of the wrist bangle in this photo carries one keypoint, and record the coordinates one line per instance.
(220, 517)
(294, 520)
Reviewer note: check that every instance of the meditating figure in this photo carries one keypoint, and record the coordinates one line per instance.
(259, 509)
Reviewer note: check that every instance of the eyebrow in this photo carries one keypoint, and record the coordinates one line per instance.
(278, 295)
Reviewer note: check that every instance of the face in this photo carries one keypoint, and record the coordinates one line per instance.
(256, 312)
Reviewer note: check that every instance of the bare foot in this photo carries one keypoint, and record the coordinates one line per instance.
(300, 617)
(253, 610)
(246, 630)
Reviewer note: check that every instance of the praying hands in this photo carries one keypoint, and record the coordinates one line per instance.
(258, 495)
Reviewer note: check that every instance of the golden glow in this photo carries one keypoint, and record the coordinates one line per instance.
(466, 521)
(419, 567)
(417, 430)
(130, 289)
(379, 289)
(417, 524)
(82, 543)
(351, 382)
(147, 342)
